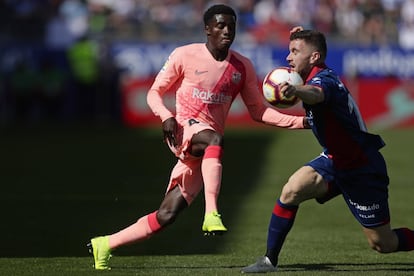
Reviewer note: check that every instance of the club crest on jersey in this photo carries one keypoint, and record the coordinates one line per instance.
(236, 77)
(316, 80)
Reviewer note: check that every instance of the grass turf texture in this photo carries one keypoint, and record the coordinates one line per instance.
(61, 186)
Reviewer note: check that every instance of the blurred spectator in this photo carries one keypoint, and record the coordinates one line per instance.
(174, 17)
(268, 25)
(297, 12)
(83, 60)
(348, 18)
(245, 18)
(53, 82)
(98, 18)
(75, 14)
(392, 15)
(406, 29)
(268, 28)
(323, 17)
(367, 22)
(373, 31)
(58, 34)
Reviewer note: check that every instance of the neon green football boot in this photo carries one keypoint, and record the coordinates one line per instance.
(99, 247)
(213, 225)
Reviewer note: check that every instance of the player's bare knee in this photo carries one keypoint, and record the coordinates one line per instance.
(208, 137)
(166, 217)
(216, 139)
(290, 193)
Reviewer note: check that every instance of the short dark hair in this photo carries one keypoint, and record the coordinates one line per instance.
(218, 9)
(314, 38)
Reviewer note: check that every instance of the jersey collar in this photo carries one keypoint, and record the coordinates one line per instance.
(315, 70)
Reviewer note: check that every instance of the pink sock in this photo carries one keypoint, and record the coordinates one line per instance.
(143, 229)
(211, 170)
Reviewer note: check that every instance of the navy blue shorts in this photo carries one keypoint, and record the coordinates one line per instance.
(365, 190)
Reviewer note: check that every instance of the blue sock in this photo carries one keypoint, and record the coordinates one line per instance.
(280, 224)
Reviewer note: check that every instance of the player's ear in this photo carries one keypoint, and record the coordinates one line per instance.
(207, 30)
(315, 57)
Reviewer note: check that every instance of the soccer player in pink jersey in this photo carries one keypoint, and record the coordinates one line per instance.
(206, 78)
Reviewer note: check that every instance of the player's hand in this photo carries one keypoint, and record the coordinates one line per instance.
(169, 128)
(296, 29)
(307, 122)
(287, 90)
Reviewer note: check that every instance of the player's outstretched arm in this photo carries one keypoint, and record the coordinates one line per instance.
(272, 116)
(263, 112)
(309, 94)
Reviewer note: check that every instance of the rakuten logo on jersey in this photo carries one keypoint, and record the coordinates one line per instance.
(211, 97)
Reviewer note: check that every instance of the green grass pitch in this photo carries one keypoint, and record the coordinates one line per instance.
(62, 186)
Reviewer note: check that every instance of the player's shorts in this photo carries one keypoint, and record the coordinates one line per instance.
(183, 137)
(187, 172)
(365, 190)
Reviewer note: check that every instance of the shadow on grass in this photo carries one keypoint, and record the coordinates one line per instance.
(62, 186)
(288, 269)
(334, 267)
(337, 267)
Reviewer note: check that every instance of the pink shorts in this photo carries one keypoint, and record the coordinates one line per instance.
(187, 172)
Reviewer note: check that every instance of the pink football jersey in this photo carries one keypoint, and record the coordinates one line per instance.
(205, 89)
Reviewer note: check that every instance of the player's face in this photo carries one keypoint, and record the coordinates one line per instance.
(302, 57)
(221, 31)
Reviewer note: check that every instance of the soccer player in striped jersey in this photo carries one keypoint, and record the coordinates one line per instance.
(350, 164)
(206, 78)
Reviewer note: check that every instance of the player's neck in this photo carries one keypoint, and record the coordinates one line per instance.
(218, 54)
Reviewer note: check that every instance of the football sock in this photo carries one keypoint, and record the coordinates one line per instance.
(211, 170)
(143, 229)
(405, 239)
(280, 224)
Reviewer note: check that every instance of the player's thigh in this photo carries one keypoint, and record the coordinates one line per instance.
(187, 176)
(381, 238)
(304, 184)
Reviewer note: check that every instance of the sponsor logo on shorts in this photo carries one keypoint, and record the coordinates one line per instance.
(367, 216)
(366, 211)
(372, 207)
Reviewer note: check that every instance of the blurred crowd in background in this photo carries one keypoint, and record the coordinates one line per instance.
(60, 22)
(86, 86)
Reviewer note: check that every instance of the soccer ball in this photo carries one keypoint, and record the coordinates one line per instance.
(271, 83)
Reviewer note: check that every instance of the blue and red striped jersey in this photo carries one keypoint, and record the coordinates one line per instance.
(337, 123)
